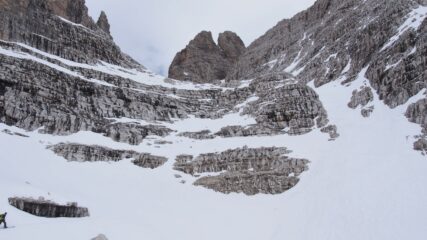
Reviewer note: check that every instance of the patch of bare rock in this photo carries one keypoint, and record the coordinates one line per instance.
(100, 237)
(245, 170)
(94, 153)
(45, 208)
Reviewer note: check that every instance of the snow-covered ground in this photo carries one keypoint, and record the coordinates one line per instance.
(368, 184)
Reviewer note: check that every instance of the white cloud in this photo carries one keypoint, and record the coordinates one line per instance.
(153, 31)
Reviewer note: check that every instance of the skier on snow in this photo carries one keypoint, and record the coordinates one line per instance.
(3, 219)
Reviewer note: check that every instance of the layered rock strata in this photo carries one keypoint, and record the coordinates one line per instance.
(245, 170)
(85, 153)
(62, 28)
(49, 209)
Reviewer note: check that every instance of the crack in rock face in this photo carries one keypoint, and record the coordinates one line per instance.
(85, 153)
(245, 170)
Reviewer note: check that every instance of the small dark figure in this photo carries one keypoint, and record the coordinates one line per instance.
(3, 219)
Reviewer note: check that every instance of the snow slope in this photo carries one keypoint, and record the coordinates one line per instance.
(368, 184)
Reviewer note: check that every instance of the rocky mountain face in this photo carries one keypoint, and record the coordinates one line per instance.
(62, 74)
(384, 41)
(315, 110)
(62, 28)
(333, 39)
(74, 11)
(203, 61)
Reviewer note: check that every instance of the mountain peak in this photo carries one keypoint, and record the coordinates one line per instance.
(203, 41)
(231, 44)
(204, 61)
(103, 22)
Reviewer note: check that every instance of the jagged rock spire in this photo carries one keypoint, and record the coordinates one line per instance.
(103, 22)
(231, 44)
(203, 60)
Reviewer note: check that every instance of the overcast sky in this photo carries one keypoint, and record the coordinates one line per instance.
(153, 31)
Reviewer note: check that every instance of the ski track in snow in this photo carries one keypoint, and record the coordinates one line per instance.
(368, 184)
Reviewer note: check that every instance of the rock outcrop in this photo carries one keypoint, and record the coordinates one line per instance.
(133, 133)
(100, 237)
(421, 145)
(361, 97)
(103, 22)
(245, 170)
(49, 209)
(85, 153)
(149, 161)
(62, 28)
(203, 61)
(332, 130)
(417, 112)
(285, 104)
(7, 131)
(366, 112)
(205, 134)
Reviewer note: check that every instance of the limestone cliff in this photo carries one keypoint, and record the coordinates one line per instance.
(204, 61)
